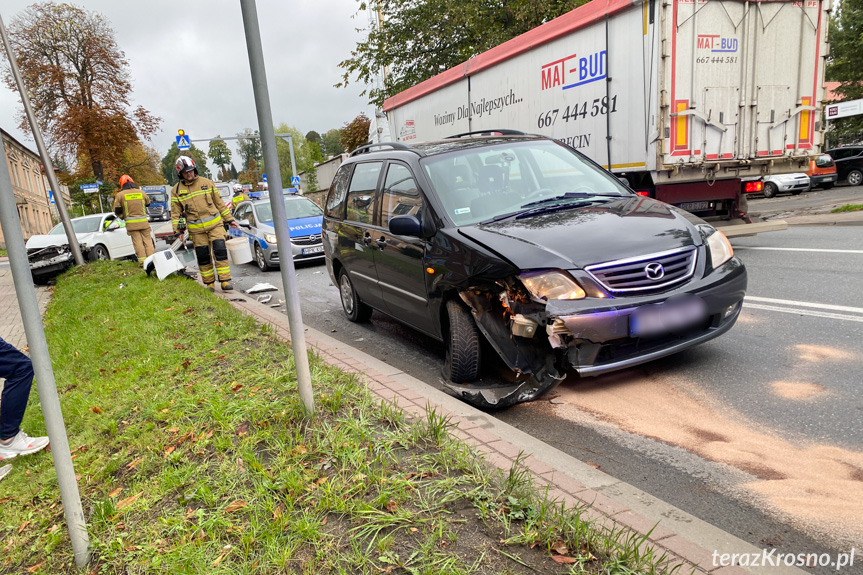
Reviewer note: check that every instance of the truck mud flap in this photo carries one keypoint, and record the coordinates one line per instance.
(533, 358)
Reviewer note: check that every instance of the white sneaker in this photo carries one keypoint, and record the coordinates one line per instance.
(4, 471)
(22, 444)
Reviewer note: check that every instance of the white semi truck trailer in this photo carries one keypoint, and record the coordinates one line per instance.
(686, 99)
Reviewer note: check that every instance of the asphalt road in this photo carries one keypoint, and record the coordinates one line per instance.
(813, 202)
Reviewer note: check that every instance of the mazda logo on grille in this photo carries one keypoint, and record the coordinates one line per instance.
(654, 271)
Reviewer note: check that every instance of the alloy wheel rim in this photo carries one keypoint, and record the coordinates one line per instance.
(347, 296)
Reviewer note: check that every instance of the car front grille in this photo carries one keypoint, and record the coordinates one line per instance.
(311, 240)
(653, 272)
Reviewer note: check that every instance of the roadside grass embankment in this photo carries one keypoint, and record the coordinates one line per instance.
(193, 455)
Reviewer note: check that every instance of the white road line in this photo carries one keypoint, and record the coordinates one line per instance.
(804, 312)
(805, 304)
(801, 250)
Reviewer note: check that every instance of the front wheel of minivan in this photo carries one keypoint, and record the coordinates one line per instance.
(463, 345)
(355, 309)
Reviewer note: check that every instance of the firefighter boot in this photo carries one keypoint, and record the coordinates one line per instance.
(212, 288)
(227, 286)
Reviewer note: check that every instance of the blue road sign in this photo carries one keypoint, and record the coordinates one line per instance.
(89, 188)
(51, 196)
(295, 180)
(265, 177)
(183, 142)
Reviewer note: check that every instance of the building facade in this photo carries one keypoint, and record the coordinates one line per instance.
(30, 188)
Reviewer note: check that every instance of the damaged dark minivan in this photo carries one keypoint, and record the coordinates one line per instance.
(526, 243)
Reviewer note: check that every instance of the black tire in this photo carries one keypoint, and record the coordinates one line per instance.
(99, 253)
(855, 178)
(463, 352)
(355, 310)
(826, 186)
(261, 259)
(769, 190)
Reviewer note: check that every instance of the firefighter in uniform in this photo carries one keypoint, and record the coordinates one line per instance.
(130, 204)
(196, 199)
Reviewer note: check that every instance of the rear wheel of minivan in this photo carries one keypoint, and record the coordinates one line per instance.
(463, 345)
(354, 308)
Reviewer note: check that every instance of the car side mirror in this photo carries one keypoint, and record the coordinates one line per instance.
(244, 223)
(112, 226)
(408, 225)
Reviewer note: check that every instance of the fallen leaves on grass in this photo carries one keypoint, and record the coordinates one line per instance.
(235, 506)
(559, 547)
(95, 409)
(392, 506)
(563, 559)
(35, 567)
(135, 463)
(237, 387)
(116, 492)
(128, 501)
(23, 527)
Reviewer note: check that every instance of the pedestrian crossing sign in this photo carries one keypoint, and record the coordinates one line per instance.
(295, 180)
(183, 142)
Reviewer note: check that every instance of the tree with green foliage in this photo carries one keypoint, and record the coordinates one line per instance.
(220, 154)
(313, 137)
(170, 159)
(331, 144)
(249, 143)
(420, 38)
(302, 155)
(846, 66)
(355, 133)
(234, 173)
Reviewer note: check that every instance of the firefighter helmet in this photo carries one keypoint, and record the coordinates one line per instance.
(185, 164)
(125, 179)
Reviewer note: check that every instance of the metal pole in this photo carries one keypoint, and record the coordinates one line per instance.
(43, 152)
(101, 208)
(277, 201)
(45, 384)
(291, 149)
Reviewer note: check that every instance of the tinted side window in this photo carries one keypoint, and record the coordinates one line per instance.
(400, 195)
(361, 200)
(338, 190)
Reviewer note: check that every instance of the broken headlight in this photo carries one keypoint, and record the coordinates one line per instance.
(551, 285)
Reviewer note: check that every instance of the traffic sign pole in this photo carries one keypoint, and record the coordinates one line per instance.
(277, 202)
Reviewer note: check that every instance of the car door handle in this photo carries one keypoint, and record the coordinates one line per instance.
(382, 242)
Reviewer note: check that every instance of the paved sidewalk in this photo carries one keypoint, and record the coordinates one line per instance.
(611, 502)
(11, 327)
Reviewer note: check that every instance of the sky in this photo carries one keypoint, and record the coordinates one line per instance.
(189, 64)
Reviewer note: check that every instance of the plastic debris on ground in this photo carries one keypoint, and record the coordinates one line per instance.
(265, 298)
(258, 288)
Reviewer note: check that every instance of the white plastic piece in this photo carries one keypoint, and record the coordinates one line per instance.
(257, 288)
(166, 262)
(523, 326)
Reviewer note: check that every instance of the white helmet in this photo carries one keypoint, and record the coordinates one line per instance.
(184, 164)
(238, 188)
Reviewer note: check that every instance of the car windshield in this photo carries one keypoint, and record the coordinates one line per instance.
(481, 183)
(295, 208)
(80, 225)
(159, 198)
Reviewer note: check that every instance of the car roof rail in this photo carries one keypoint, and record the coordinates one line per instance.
(504, 132)
(367, 148)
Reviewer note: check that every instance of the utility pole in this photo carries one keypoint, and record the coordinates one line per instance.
(277, 202)
(43, 152)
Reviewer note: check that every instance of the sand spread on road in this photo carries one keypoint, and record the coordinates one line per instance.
(819, 487)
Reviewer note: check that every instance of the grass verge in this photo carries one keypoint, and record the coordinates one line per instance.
(847, 208)
(193, 456)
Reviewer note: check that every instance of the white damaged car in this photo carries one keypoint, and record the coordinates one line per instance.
(101, 237)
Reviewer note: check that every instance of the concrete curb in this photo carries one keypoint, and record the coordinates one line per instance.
(610, 502)
(841, 219)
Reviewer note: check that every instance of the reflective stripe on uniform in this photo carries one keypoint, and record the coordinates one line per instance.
(208, 273)
(225, 213)
(223, 270)
(197, 224)
(134, 196)
(190, 195)
(136, 220)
